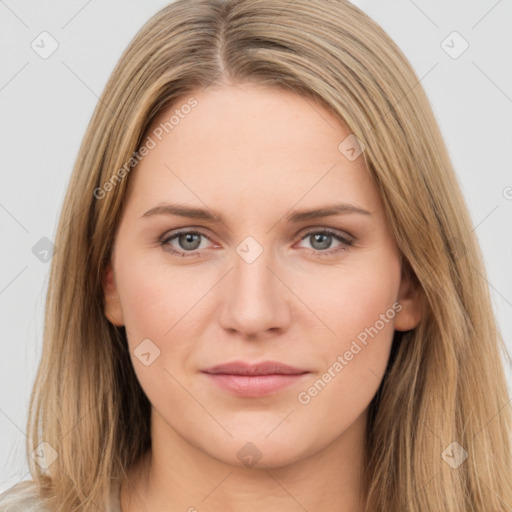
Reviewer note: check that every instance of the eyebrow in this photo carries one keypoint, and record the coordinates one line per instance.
(293, 217)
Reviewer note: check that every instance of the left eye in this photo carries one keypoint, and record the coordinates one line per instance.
(323, 240)
(190, 241)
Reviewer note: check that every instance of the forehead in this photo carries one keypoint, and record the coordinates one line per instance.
(250, 142)
(248, 115)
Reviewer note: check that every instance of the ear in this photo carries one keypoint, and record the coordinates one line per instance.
(112, 304)
(410, 297)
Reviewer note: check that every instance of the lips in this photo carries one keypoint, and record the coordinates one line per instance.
(265, 368)
(254, 380)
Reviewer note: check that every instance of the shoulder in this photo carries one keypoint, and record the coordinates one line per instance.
(22, 497)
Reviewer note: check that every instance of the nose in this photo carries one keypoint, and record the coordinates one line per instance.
(256, 300)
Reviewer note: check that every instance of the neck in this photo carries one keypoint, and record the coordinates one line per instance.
(178, 475)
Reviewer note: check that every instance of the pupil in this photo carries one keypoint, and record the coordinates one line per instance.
(325, 244)
(189, 239)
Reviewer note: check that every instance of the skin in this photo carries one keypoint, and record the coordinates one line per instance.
(253, 154)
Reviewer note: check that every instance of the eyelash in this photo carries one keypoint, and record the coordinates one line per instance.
(345, 241)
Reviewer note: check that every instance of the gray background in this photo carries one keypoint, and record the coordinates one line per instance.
(46, 105)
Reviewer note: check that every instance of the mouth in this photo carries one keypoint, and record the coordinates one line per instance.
(255, 380)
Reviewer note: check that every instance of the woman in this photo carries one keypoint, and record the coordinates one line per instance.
(267, 294)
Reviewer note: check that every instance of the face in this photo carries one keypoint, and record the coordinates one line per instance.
(250, 280)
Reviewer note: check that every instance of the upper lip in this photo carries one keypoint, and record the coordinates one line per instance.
(264, 368)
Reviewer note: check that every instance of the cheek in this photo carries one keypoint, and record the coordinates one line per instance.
(359, 307)
(352, 297)
(157, 305)
(354, 365)
(164, 304)
(368, 306)
(154, 297)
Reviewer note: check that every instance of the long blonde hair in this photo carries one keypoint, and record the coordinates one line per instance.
(445, 379)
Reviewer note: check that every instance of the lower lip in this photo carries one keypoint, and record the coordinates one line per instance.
(254, 385)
